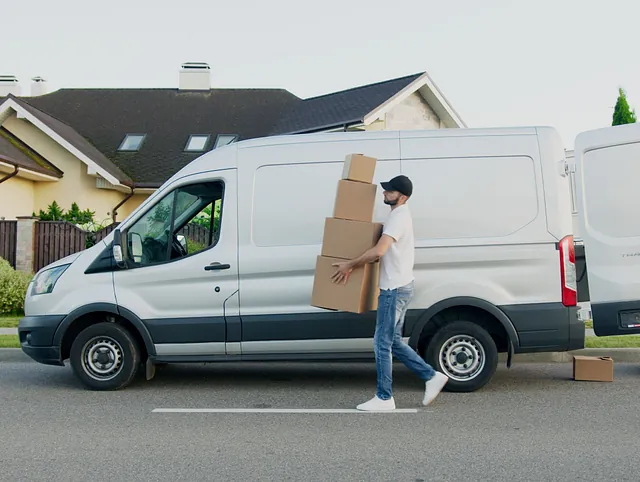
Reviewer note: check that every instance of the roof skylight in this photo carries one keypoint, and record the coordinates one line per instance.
(132, 142)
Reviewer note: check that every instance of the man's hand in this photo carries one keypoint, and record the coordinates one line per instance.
(341, 275)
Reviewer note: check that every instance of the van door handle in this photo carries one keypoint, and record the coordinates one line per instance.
(216, 266)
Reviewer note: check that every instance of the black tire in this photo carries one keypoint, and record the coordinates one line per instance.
(473, 343)
(116, 352)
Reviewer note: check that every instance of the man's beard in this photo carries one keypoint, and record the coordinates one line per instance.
(390, 202)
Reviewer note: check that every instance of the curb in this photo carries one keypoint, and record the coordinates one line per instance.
(622, 355)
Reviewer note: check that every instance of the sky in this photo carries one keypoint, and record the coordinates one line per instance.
(498, 62)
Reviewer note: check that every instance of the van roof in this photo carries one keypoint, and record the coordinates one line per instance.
(225, 157)
(363, 135)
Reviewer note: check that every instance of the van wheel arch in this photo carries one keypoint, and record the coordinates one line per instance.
(495, 322)
(92, 314)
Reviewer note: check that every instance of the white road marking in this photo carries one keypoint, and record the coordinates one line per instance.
(276, 410)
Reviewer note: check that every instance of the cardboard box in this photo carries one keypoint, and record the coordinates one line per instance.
(358, 295)
(593, 368)
(359, 168)
(349, 239)
(355, 201)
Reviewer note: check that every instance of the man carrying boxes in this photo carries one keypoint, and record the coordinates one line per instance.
(388, 259)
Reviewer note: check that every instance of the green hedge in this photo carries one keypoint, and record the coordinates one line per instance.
(13, 288)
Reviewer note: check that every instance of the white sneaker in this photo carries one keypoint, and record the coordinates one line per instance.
(377, 405)
(433, 387)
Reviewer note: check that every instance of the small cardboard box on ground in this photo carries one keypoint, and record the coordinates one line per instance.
(348, 234)
(593, 368)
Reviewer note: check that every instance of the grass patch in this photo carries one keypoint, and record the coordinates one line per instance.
(11, 341)
(588, 324)
(625, 341)
(9, 321)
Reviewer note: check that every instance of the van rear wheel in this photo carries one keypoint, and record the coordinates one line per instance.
(466, 353)
(105, 356)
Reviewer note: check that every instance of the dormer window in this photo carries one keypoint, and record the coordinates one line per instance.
(132, 142)
(224, 139)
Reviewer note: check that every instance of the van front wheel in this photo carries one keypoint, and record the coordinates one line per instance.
(466, 353)
(105, 356)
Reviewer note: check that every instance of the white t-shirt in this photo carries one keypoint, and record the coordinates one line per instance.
(396, 265)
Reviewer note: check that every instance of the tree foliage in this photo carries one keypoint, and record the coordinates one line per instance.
(622, 113)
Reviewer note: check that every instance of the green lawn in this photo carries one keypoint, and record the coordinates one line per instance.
(588, 324)
(626, 341)
(9, 341)
(9, 321)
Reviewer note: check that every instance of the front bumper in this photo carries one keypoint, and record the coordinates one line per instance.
(36, 338)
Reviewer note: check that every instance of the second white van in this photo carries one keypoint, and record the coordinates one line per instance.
(218, 264)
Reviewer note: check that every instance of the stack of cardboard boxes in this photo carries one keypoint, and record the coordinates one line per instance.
(348, 234)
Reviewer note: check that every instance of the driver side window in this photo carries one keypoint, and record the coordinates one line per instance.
(185, 222)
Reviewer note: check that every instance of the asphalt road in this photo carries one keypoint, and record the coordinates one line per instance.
(532, 423)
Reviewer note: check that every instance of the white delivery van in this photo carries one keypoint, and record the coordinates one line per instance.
(218, 264)
(607, 171)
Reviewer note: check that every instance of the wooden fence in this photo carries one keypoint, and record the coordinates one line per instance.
(8, 241)
(196, 233)
(56, 239)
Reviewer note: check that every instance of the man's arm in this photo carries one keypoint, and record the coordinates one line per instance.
(345, 268)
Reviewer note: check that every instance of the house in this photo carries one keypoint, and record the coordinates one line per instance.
(108, 149)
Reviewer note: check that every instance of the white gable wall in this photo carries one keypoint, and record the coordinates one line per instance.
(411, 114)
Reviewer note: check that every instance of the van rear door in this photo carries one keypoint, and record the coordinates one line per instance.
(607, 165)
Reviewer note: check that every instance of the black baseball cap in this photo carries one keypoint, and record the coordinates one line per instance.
(401, 183)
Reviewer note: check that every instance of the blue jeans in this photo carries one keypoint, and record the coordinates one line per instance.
(392, 307)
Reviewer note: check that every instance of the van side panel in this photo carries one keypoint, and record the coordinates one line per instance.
(287, 192)
(556, 183)
(481, 227)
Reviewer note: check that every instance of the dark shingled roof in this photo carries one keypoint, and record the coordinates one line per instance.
(96, 121)
(168, 117)
(340, 108)
(15, 152)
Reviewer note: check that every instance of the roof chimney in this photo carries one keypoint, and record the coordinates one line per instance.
(195, 76)
(38, 86)
(9, 85)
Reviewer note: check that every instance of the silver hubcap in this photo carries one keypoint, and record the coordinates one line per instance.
(102, 358)
(462, 358)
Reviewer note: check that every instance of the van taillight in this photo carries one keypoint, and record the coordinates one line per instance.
(568, 272)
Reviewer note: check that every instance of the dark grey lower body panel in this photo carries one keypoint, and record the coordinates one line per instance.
(617, 318)
(187, 330)
(546, 327)
(324, 325)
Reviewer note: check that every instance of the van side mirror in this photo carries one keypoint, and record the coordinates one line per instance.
(118, 253)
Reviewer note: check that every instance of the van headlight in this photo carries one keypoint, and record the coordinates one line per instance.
(45, 281)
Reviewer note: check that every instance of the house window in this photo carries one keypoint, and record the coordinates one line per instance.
(132, 142)
(197, 142)
(224, 139)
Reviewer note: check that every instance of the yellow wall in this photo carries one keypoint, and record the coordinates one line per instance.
(128, 207)
(16, 198)
(75, 186)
